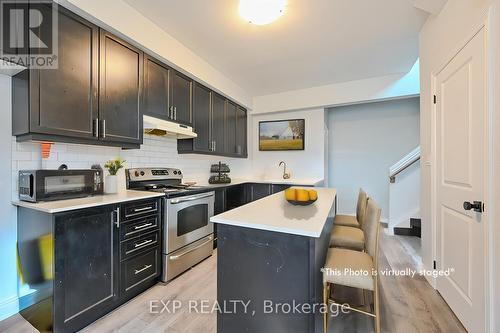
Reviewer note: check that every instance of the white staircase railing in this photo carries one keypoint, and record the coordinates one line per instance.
(404, 196)
(404, 164)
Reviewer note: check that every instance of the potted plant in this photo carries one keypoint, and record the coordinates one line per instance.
(111, 181)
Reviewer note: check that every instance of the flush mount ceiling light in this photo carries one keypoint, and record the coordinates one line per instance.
(261, 12)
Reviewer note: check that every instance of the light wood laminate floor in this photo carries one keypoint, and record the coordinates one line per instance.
(407, 304)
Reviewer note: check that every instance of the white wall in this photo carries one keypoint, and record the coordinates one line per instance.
(8, 229)
(442, 37)
(364, 141)
(404, 198)
(119, 17)
(303, 164)
(360, 91)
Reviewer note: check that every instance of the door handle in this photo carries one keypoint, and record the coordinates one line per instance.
(477, 206)
(175, 112)
(176, 257)
(117, 221)
(96, 128)
(103, 128)
(176, 201)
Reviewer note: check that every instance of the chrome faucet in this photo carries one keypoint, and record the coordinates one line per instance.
(286, 175)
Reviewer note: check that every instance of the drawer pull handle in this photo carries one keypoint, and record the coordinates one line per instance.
(177, 257)
(142, 209)
(143, 243)
(137, 227)
(137, 271)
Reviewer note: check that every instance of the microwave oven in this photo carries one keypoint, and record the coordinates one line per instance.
(49, 185)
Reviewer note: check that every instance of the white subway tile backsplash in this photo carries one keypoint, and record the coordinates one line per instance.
(155, 152)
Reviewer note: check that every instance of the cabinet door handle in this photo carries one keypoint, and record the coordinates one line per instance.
(171, 112)
(215, 145)
(175, 112)
(117, 221)
(103, 128)
(137, 210)
(96, 127)
(137, 271)
(142, 226)
(136, 245)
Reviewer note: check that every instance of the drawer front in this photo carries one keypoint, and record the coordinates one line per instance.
(139, 269)
(139, 244)
(140, 208)
(139, 227)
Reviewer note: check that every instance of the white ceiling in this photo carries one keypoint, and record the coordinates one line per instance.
(316, 42)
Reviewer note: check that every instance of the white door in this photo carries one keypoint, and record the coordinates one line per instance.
(460, 147)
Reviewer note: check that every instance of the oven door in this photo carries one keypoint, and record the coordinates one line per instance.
(188, 220)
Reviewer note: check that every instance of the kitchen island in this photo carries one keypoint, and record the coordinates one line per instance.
(269, 259)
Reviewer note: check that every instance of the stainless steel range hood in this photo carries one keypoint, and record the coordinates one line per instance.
(160, 127)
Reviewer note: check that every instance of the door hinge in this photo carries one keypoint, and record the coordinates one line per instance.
(435, 99)
(435, 264)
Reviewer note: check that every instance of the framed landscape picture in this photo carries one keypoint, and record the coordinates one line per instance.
(281, 135)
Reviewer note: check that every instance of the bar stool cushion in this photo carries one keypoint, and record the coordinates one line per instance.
(347, 221)
(347, 237)
(349, 268)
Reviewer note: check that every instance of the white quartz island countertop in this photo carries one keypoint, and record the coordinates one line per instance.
(274, 213)
(59, 206)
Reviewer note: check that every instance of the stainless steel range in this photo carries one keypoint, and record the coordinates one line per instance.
(187, 230)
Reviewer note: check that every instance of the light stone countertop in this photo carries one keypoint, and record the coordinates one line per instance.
(274, 213)
(59, 206)
(292, 181)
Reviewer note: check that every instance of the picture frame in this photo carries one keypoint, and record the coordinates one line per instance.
(282, 135)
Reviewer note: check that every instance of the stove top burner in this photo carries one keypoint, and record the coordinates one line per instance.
(162, 180)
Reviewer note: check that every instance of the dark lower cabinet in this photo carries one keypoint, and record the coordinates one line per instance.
(275, 188)
(86, 267)
(84, 263)
(256, 191)
(120, 90)
(219, 207)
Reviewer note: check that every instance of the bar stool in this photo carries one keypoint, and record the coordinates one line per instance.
(354, 221)
(340, 262)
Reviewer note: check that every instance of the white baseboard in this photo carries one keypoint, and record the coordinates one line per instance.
(9, 307)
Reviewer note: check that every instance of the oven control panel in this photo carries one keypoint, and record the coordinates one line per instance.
(145, 174)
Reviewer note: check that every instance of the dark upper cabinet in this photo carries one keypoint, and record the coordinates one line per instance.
(86, 267)
(94, 95)
(218, 123)
(120, 90)
(181, 95)
(63, 101)
(201, 118)
(156, 91)
(241, 132)
(231, 115)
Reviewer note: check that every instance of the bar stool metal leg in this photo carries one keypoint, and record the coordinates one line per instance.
(326, 290)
